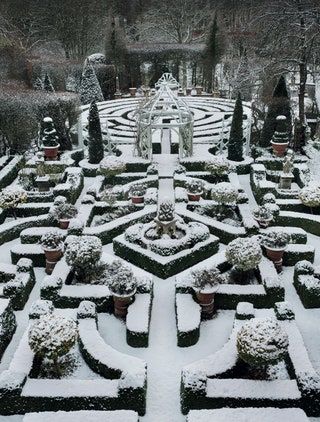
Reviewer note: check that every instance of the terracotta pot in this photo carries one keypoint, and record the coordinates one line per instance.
(199, 90)
(52, 257)
(137, 199)
(279, 149)
(51, 153)
(64, 224)
(133, 91)
(206, 301)
(194, 196)
(121, 304)
(275, 255)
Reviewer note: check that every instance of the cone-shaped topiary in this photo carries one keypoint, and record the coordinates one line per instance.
(50, 137)
(280, 105)
(90, 89)
(235, 145)
(95, 145)
(47, 84)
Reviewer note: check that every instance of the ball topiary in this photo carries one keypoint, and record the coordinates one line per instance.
(244, 253)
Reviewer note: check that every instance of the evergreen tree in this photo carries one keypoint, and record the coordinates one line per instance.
(235, 145)
(47, 84)
(212, 54)
(95, 144)
(279, 105)
(89, 89)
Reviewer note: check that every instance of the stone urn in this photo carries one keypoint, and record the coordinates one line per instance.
(52, 257)
(121, 304)
(51, 153)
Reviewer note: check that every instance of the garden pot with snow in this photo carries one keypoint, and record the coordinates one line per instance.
(263, 216)
(195, 190)
(122, 284)
(205, 283)
(199, 89)
(280, 140)
(50, 143)
(63, 213)
(52, 245)
(188, 91)
(137, 193)
(10, 198)
(275, 243)
(133, 91)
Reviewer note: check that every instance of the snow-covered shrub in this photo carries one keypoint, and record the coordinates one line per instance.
(310, 195)
(261, 341)
(90, 89)
(83, 254)
(304, 267)
(120, 279)
(197, 232)
(52, 240)
(244, 253)
(206, 278)
(195, 186)
(275, 239)
(133, 234)
(50, 137)
(111, 165)
(52, 337)
(88, 199)
(218, 166)
(64, 211)
(59, 200)
(11, 197)
(180, 169)
(269, 198)
(262, 213)
(224, 193)
(76, 227)
(152, 169)
(166, 211)
(109, 197)
(273, 208)
(137, 190)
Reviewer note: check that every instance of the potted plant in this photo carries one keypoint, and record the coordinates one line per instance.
(122, 284)
(224, 194)
(275, 243)
(195, 190)
(63, 213)
(133, 91)
(263, 216)
(205, 283)
(245, 254)
(261, 342)
(280, 140)
(137, 193)
(219, 167)
(50, 140)
(10, 198)
(310, 195)
(52, 245)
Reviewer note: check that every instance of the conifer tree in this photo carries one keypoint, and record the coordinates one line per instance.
(90, 89)
(212, 54)
(95, 144)
(47, 84)
(235, 145)
(279, 105)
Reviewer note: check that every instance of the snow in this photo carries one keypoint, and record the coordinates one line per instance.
(188, 312)
(83, 416)
(248, 415)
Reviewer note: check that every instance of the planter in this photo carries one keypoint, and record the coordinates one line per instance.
(275, 255)
(279, 149)
(137, 199)
(133, 91)
(51, 153)
(121, 304)
(199, 90)
(194, 196)
(188, 91)
(206, 301)
(64, 224)
(43, 183)
(52, 257)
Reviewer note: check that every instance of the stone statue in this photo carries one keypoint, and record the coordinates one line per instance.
(288, 162)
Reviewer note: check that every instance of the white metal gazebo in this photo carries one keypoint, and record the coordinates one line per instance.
(165, 111)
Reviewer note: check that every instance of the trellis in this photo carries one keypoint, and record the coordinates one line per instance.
(165, 111)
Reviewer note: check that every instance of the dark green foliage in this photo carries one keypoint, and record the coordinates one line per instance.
(95, 145)
(47, 84)
(280, 105)
(235, 145)
(212, 53)
(50, 138)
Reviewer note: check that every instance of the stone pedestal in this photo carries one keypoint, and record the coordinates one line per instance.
(43, 183)
(286, 180)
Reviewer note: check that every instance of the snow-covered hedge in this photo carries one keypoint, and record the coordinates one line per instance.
(188, 318)
(307, 284)
(310, 195)
(7, 324)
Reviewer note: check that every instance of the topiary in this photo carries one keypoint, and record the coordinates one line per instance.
(120, 279)
(95, 142)
(235, 144)
(52, 337)
(166, 211)
(218, 166)
(310, 195)
(261, 341)
(111, 165)
(206, 278)
(244, 253)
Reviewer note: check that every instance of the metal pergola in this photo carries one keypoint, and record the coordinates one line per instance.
(165, 111)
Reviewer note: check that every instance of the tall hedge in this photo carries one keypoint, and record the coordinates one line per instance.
(95, 144)
(235, 145)
(279, 105)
